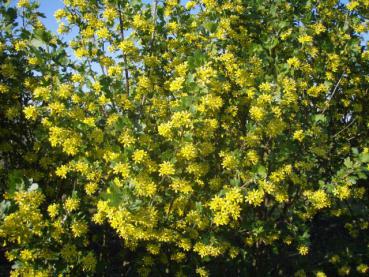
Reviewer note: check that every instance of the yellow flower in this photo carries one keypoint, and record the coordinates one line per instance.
(228, 161)
(79, 228)
(62, 171)
(257, 113)
(252, 157)
(126, 139)
(255, 197)
(59, 14)
(139, 156)
(3, 88)
(123, 169)
(265, 87)
(110, 14)
(33, 61)
(53, 210)
(182, 186)
(286, 34)
(103, 33)
(294, 62)
(30, 112)
(71, 204)
(342, 192)
(27, 255)
(299, 135)
(201, 271)
(166, 168)
(89, 262)
(190, 5)
(362, 268)
(352, 5)
(176, 84)
(303, 39)
(319, 199)
(77, 78)
(303, 250)
(164, 130)
(23, 4)
(145, 188)
(91, 188)
(319, 28)
(188, 151)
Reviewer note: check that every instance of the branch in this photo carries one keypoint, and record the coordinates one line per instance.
(124, 55)
(334, 91)
(335, 135)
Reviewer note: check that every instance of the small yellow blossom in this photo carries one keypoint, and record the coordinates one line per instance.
(176, 84)
(303, 39)
(53, 210)
(23, 4)
(103, 33)
(30, 112)
(188, 151)
(257, 113)
(62, 171)
(303, 250)
(299, 135)
(71, 204)
(139, 156)
(294, 62)
(255, 197)
(79, 228)
(166, 168)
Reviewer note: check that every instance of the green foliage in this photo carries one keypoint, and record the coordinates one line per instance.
(211, 138)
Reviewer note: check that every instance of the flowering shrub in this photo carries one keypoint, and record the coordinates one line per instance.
(205, 138)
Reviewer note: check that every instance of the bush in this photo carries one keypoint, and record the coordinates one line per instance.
(205, 138)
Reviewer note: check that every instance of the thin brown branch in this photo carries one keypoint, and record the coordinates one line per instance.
(124, 54)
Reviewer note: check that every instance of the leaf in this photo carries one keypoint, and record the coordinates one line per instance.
(196, 60)
(355, 151)
(348, 163)
(4, 207)
(320, 118)
(235, 182)
(262, 171)
(37, 43)
(15, 181)
(364, 157)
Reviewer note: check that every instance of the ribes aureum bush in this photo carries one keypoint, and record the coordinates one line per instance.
(204, 137)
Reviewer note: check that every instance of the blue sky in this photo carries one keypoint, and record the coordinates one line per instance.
(48, 7)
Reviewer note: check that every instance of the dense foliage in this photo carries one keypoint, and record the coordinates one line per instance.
(205, 138)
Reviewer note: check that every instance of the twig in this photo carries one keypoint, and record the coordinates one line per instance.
(334, 91)
(124, 54)
(344, 128)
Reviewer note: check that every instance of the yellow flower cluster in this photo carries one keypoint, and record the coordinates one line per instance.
(319, 199)
(166, 168)
(255, 197)
(227, 207)
(207, 250)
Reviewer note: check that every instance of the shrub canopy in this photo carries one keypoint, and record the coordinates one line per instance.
(207, 137)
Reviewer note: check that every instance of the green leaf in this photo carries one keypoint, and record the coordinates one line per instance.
(364, 157)
(15, 181)
(235, 182)
(320, 118)
(262, 171)
(348, 163)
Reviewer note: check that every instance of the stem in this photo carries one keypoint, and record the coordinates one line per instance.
(124, 55)
(334, 91)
